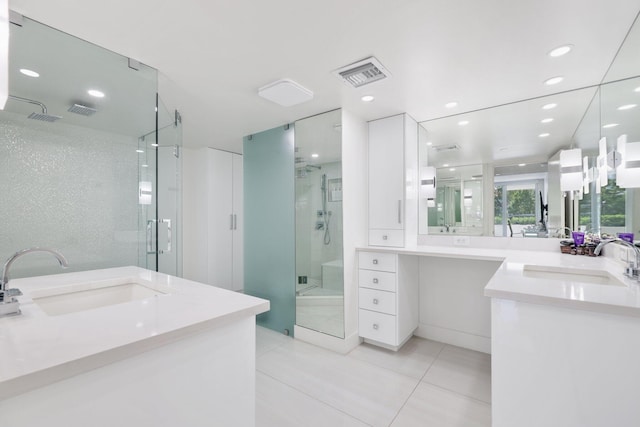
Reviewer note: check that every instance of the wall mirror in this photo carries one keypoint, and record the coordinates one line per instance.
(517, 145)
(319, 260)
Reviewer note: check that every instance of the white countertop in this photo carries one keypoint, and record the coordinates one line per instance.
(510, 281)
(37, 349)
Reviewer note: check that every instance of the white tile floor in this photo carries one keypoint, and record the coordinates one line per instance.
(424, 384)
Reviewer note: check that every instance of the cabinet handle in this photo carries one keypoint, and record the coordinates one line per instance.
(375, 326)
(375, 261)
(399, 211)
(235, 221)
(230, 221)
(375, 301)
(375, 280)
(384, 237)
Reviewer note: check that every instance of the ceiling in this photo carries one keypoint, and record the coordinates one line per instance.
(214, 55)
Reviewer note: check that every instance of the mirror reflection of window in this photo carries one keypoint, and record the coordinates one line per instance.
(605, 212)
(518, 208)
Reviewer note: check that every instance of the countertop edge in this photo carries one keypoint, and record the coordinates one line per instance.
(33, 380)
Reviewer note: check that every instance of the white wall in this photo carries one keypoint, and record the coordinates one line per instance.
(453, 308)
(194, 214)
(355, 190)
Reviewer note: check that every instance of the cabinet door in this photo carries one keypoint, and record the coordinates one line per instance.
(220, 235)
(238, 234)
(386, 173)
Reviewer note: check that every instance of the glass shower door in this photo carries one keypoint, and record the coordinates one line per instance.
(160, 198)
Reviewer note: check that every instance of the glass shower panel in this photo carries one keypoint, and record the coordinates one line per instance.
(318, 207)
(269, 242)
(69, 176)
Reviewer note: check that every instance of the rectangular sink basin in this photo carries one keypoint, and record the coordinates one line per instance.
(563, 274)
(92, 295)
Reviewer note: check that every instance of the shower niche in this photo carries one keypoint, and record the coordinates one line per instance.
(319, 234)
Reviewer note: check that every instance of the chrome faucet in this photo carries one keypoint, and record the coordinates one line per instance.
(8, 303)
(633, 267)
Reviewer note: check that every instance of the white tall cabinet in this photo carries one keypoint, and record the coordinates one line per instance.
(393, 176)
(224, 198)
(213, 218)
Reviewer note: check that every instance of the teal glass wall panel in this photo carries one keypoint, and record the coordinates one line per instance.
(269, 222)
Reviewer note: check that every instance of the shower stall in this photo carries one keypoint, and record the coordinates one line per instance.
(318, 206)
(95, 177)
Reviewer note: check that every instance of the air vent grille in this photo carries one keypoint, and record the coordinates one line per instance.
(363, 72)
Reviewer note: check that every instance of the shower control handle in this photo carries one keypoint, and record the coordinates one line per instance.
(375, 261)
(375, 326)
(375, 280)
(375, 301)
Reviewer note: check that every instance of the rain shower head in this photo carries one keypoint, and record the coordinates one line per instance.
(83, 110)
(37, 116)
(44, 117)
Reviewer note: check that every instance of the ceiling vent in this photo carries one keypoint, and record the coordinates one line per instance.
(446, 147)
(285, 92)
(362, 72)
(83, 110)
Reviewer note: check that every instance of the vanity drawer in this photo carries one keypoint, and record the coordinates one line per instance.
(373, 279)
(377, 261)
(377, 326)
(381, 237)
(382, 301)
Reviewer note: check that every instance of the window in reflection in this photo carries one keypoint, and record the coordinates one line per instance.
(605, 212)
(518, 208)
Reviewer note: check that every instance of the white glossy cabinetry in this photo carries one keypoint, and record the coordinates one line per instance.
(225, 259)
(393, 151)
(388, 298)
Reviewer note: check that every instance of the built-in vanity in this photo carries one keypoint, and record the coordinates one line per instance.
(560, 326)
(128, 346)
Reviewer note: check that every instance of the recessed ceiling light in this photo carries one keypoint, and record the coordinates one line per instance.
(139, 151)
(446, 165)
(368, 98)
(553, 80)
(627, 107)
(547, 120)
(96, 93)
(637, 89)
(549, 106)
(452, 169)
(544, 135)
(561, 50)
(315, 155)
(463, 122)
(610, 125)
(451, 104)
(29, 73)
(429, 143)
(154, 145)
(522, 164)
(145, 166)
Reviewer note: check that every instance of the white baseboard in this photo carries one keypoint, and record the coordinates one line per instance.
(453, 337)
(339, 345)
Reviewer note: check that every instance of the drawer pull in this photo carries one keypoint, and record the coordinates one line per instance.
(375, 261)
(375, 301)
(375, 326)
(375, 280)
(384, 237)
